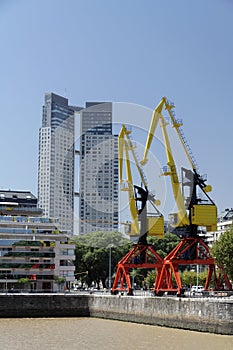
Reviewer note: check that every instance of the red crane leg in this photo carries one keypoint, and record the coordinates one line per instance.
(190, 251)
(177, 278)
(164, 281)
(211, 271)
(139, 257)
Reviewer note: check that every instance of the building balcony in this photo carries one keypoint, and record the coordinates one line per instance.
(18, 210)
(67, 245)
(26, 254)
(66, 268)
(26, 266)
(28, 272)
(65, 257)
(28, 221)
(32, 248)
(27, 231)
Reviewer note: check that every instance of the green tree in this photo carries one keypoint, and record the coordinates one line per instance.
(60, 281)
(189, 278)
(92, 252)
(164, 246)
(150, 278)
(101, 239)
(24, 281)
(222, 251)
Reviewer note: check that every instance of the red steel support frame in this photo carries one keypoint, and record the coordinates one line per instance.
(141, 256)
(190, 251)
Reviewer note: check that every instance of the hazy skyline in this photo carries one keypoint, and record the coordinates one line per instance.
(125, 51)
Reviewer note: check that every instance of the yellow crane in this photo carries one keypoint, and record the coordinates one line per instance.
(196, 211)
(142, 223)
(142, 255)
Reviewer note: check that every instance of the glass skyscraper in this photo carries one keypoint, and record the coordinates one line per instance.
(98, 179)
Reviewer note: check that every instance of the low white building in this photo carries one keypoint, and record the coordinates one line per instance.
(32, 247)
(225, 222)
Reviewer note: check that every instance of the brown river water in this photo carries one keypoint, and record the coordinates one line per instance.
(99, 334)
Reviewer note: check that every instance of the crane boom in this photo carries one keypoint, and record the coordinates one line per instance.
(123, 147)
(153, 225)
(182, 214)
(156, 116)
(153, 125)
(176, 125)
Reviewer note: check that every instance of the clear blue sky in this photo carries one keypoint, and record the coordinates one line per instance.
(121, 51)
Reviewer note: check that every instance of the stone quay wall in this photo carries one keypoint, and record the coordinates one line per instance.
(198, 314)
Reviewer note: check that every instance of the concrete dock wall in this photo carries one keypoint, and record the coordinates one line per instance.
(44, 305)
(215, 316)
(207, 315)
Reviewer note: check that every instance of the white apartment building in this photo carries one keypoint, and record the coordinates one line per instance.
(56, 161)
(32, 246)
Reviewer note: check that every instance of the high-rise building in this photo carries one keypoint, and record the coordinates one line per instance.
(98, 180)
(56, 160)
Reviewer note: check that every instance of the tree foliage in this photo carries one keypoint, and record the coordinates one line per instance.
(24, 280)
(93, 255)
(222, 251)
(150, 278)
(59, 280)
(190, 278)
(164, 246)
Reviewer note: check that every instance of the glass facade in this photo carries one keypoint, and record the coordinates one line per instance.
(98, 170)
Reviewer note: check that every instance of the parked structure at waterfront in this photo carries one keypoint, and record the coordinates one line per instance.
(56, 160)
(98, 180)
(31, 246)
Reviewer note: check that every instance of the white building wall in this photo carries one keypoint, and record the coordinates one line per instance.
(44, 169)
(223, 225)
(56, 161)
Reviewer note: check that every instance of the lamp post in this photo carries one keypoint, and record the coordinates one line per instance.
(197, 264)
(6, 282)
(110, 268)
